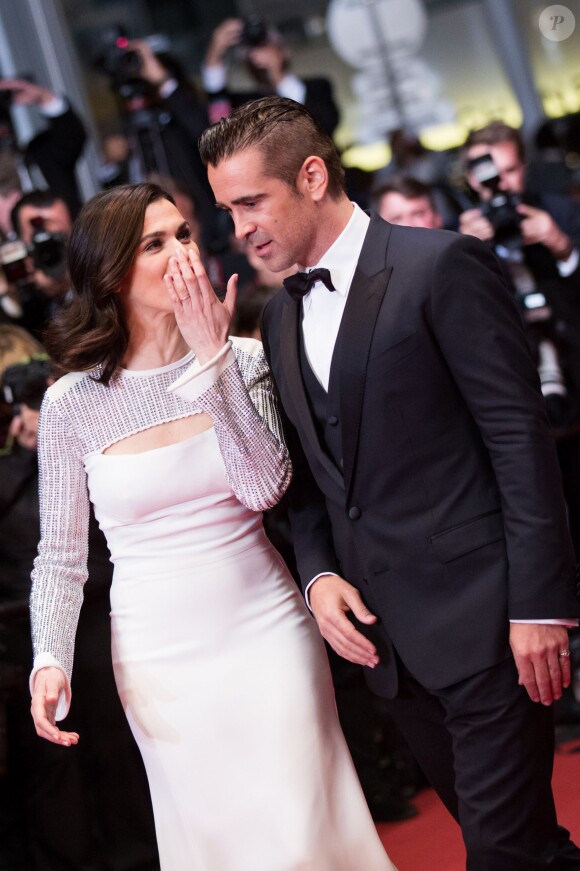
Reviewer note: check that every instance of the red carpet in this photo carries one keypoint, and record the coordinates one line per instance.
(432, 841)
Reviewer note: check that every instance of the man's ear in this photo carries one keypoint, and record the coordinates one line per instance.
(313, 178)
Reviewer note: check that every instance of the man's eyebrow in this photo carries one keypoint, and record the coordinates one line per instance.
(240, 200)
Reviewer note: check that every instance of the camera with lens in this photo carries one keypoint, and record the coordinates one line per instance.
(500, 209)
(48, 249)
(25, 383)
(124, 65)
(255, 32)
(542, 332)
(117, 61)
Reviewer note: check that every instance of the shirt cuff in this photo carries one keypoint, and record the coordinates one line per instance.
(563, 621)
(167, 88)
(292, 88)
(214, 79)
(55, 107)
(567, 267)
(313, 581)
(197, 379)
(46, 660)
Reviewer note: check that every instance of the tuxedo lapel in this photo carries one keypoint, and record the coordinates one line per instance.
(289, 352)
(349, 365)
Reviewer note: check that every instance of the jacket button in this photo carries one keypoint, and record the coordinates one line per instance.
(354, 513)
(332, 421)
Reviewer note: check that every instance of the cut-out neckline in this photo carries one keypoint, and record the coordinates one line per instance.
(107, 452)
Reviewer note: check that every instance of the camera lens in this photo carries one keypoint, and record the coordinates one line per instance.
(255, 32)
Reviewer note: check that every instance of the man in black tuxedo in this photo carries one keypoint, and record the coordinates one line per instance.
(428, 518)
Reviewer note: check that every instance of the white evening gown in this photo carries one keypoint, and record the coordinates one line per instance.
(223, 674)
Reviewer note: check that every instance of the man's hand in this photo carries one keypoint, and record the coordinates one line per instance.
(538, 227)
(331, 598)
(536, 648)
(473, 223)
(226, 35)
(26, 93)
(152, 70)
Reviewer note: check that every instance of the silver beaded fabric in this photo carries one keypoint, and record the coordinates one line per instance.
(80, 416)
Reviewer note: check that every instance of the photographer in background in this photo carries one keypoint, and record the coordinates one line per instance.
(33, 259)
(163, 118)
(536, 239)
(49, 159)
(549, 220)
(267, 60)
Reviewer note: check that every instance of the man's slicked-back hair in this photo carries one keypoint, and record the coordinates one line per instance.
(286, 134)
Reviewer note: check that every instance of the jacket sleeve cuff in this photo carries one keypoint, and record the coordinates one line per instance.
(311, 584)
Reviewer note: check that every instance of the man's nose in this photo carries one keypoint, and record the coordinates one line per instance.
(243, 228)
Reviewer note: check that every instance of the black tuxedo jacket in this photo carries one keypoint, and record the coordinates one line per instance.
(445, 508)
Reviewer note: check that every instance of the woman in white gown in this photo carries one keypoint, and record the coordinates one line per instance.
(170, 429)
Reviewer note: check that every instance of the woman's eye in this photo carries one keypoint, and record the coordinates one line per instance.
(151, 246)
(184, 235)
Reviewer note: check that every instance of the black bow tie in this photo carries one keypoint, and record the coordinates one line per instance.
(300, 283)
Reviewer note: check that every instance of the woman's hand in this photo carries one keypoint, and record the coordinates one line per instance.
(48, 684)
(203, 320)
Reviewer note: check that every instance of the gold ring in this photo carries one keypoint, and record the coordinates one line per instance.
(564, 653)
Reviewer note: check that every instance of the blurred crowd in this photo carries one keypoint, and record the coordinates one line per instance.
(521, 199)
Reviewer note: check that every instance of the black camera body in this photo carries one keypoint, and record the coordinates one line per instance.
(500, 209)
(123, 65)
(26, 382)
(48, 250)
(116, 60)
(255, 32)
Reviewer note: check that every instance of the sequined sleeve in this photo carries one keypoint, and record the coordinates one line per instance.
(236, 390)
(60, 569)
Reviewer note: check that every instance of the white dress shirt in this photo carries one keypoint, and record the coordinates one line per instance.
(322, 311)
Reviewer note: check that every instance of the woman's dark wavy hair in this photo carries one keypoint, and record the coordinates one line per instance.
(90, 332)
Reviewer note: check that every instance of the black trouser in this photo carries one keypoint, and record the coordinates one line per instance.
(488, 751)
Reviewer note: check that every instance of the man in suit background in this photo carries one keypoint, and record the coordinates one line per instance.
(428, 519)
(266, 58)
(49, 159)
